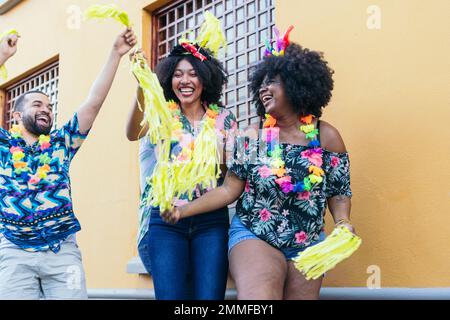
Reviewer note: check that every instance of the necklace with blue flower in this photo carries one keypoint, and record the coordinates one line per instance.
(20, 161)
(277, 165)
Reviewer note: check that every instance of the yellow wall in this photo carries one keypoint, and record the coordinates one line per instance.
(390, 104)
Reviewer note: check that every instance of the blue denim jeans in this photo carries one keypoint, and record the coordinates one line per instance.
(188, 260)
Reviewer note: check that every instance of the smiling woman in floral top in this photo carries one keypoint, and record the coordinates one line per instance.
(285, 171)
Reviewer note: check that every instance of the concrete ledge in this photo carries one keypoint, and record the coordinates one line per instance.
(325, 294)
(135, 266)
(7, 5)
(136, 294)
(385, 294)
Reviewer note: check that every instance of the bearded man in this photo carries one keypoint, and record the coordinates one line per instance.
(39, 255)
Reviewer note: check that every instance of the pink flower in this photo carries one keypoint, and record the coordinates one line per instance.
(15, 149)
(273, 134)
(301, 237)
(34, 180)
(335, 161)
(247, 186)
(220, 120)
(45, 145)
(285, 184)
(265, 215)
(287, 187)
(304, 195)
(265, 172)
(314, 156)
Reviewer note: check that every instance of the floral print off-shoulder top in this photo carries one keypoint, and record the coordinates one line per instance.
(293, 220)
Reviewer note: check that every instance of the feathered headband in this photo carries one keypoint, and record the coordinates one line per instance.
(281, 43)
(211, 37)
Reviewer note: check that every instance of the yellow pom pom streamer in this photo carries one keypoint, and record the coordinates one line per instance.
(3, 71)
(156, 110)
(211, 35)
(107, 11)
(322, 257)
(199, 167)
(205, 159)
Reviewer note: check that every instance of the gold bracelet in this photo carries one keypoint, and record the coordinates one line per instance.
(343, 220)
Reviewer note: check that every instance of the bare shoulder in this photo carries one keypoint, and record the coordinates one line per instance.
(330, 138)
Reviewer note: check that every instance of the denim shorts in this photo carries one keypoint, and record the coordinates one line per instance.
(238, 233)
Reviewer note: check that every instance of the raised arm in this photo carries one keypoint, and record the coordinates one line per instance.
(220, 197)
(8, 48)
(100, 89)
(134, 129)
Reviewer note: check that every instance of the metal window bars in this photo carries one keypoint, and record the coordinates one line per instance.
(246, 24)
(45, 80)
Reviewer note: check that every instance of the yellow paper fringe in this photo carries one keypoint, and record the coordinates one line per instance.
(211, 35)
(156, 110)
(203, 169)
(107, 11)
(172, 178)
(322, 257)
(3, 71)
(162, 186)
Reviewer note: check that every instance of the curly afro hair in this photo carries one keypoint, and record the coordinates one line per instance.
(306, 77)
(211, 73)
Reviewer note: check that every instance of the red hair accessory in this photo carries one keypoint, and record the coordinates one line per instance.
(193, 50)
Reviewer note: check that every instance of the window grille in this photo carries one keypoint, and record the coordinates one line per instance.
(247, 24)
(45, 80)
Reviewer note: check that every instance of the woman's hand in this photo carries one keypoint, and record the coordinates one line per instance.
(8, 46)
(172, 216)
(137, 56)
(138, 53)
(349, 227)
(125, 42)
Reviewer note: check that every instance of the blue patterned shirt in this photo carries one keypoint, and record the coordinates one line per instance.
(39, 217)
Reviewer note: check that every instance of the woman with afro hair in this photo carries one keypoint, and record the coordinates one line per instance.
(285, 172)
(188, 260)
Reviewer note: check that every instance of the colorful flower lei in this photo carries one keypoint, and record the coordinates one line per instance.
(313, 154)
(20, 164)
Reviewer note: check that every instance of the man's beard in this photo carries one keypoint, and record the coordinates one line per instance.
(31, 125)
